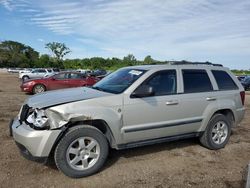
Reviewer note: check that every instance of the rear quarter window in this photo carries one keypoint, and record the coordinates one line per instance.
(224, 80)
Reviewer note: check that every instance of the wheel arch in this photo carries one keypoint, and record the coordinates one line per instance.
(229, 113)
(97, 123)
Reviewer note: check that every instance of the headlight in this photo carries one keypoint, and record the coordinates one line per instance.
(38, 119)
(30, 83)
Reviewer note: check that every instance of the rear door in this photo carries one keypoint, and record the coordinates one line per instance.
(75, 80)
(197, 93)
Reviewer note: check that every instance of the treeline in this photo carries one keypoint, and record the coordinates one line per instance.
(15, 54)
(108, 63)
(241, 72)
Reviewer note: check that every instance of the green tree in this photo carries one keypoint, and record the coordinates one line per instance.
(58, 49)
(148, 60)
(15, 54)
(43, 61)
(129, 60)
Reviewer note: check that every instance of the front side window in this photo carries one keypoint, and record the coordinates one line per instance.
(196, 81)
(163, 83)
(224, 81)
(119, 81)
(75, 76)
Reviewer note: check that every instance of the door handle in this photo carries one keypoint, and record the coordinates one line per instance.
(211, 99)
(172, 102)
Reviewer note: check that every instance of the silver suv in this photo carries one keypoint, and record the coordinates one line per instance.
(131, 107)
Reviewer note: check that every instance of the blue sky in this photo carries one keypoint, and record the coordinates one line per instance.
(195, 30)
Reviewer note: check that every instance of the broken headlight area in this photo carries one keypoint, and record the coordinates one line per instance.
(37, 119)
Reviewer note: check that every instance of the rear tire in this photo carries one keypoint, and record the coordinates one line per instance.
(81, 152)
(38, 88)
(217, 133)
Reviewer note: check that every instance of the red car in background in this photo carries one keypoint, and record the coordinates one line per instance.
(58, 81)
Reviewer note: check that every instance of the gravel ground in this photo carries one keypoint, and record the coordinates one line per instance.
(176, 164)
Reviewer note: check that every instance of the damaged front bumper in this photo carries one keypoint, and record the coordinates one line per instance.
(33, 144)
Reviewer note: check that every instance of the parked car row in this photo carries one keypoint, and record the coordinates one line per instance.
(246, 83)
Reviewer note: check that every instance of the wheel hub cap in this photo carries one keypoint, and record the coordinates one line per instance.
(219, 132)
(83, 153)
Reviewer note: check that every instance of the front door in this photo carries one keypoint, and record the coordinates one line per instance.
(156, 116)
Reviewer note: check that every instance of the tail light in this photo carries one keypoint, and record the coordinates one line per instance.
(242, 95)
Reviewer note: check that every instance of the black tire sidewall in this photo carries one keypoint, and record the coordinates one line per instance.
(212, 122)
(25, 78)
(72, 135)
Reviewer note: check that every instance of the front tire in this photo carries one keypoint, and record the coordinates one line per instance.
(81, 152)
(39, 88)
(217, 133)
(25, 78)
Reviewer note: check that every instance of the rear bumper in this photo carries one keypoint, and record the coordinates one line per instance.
(33, 143)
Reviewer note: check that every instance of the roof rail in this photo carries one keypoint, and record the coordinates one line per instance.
(194, 63)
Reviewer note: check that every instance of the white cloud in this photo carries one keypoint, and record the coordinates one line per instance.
(163, 28)
(40, 40)
(6, 4)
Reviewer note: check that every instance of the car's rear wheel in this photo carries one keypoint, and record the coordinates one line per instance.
(81, 152)
(39, 88)
(217, 133)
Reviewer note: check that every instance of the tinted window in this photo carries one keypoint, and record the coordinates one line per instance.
(196, 81)
(42, 71)
(60, 76)
(163, 82)
(75, 76)
(223, 80)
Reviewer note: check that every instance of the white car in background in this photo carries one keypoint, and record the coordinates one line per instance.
(36, 73)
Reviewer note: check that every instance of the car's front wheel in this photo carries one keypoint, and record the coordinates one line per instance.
(25, 78)
(81, 152)
(38, 88)
(217, 133)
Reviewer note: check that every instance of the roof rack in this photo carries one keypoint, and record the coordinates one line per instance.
(194, 63)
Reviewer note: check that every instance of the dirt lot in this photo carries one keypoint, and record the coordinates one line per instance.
(176, 164)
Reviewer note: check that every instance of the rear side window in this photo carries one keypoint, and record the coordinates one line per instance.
(196, 81)
(224, 81)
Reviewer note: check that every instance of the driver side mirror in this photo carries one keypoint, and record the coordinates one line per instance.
(143, 91)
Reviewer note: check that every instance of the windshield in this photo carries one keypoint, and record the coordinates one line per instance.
(119, 81)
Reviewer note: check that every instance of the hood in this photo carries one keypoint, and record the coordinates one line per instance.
(63, 96)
